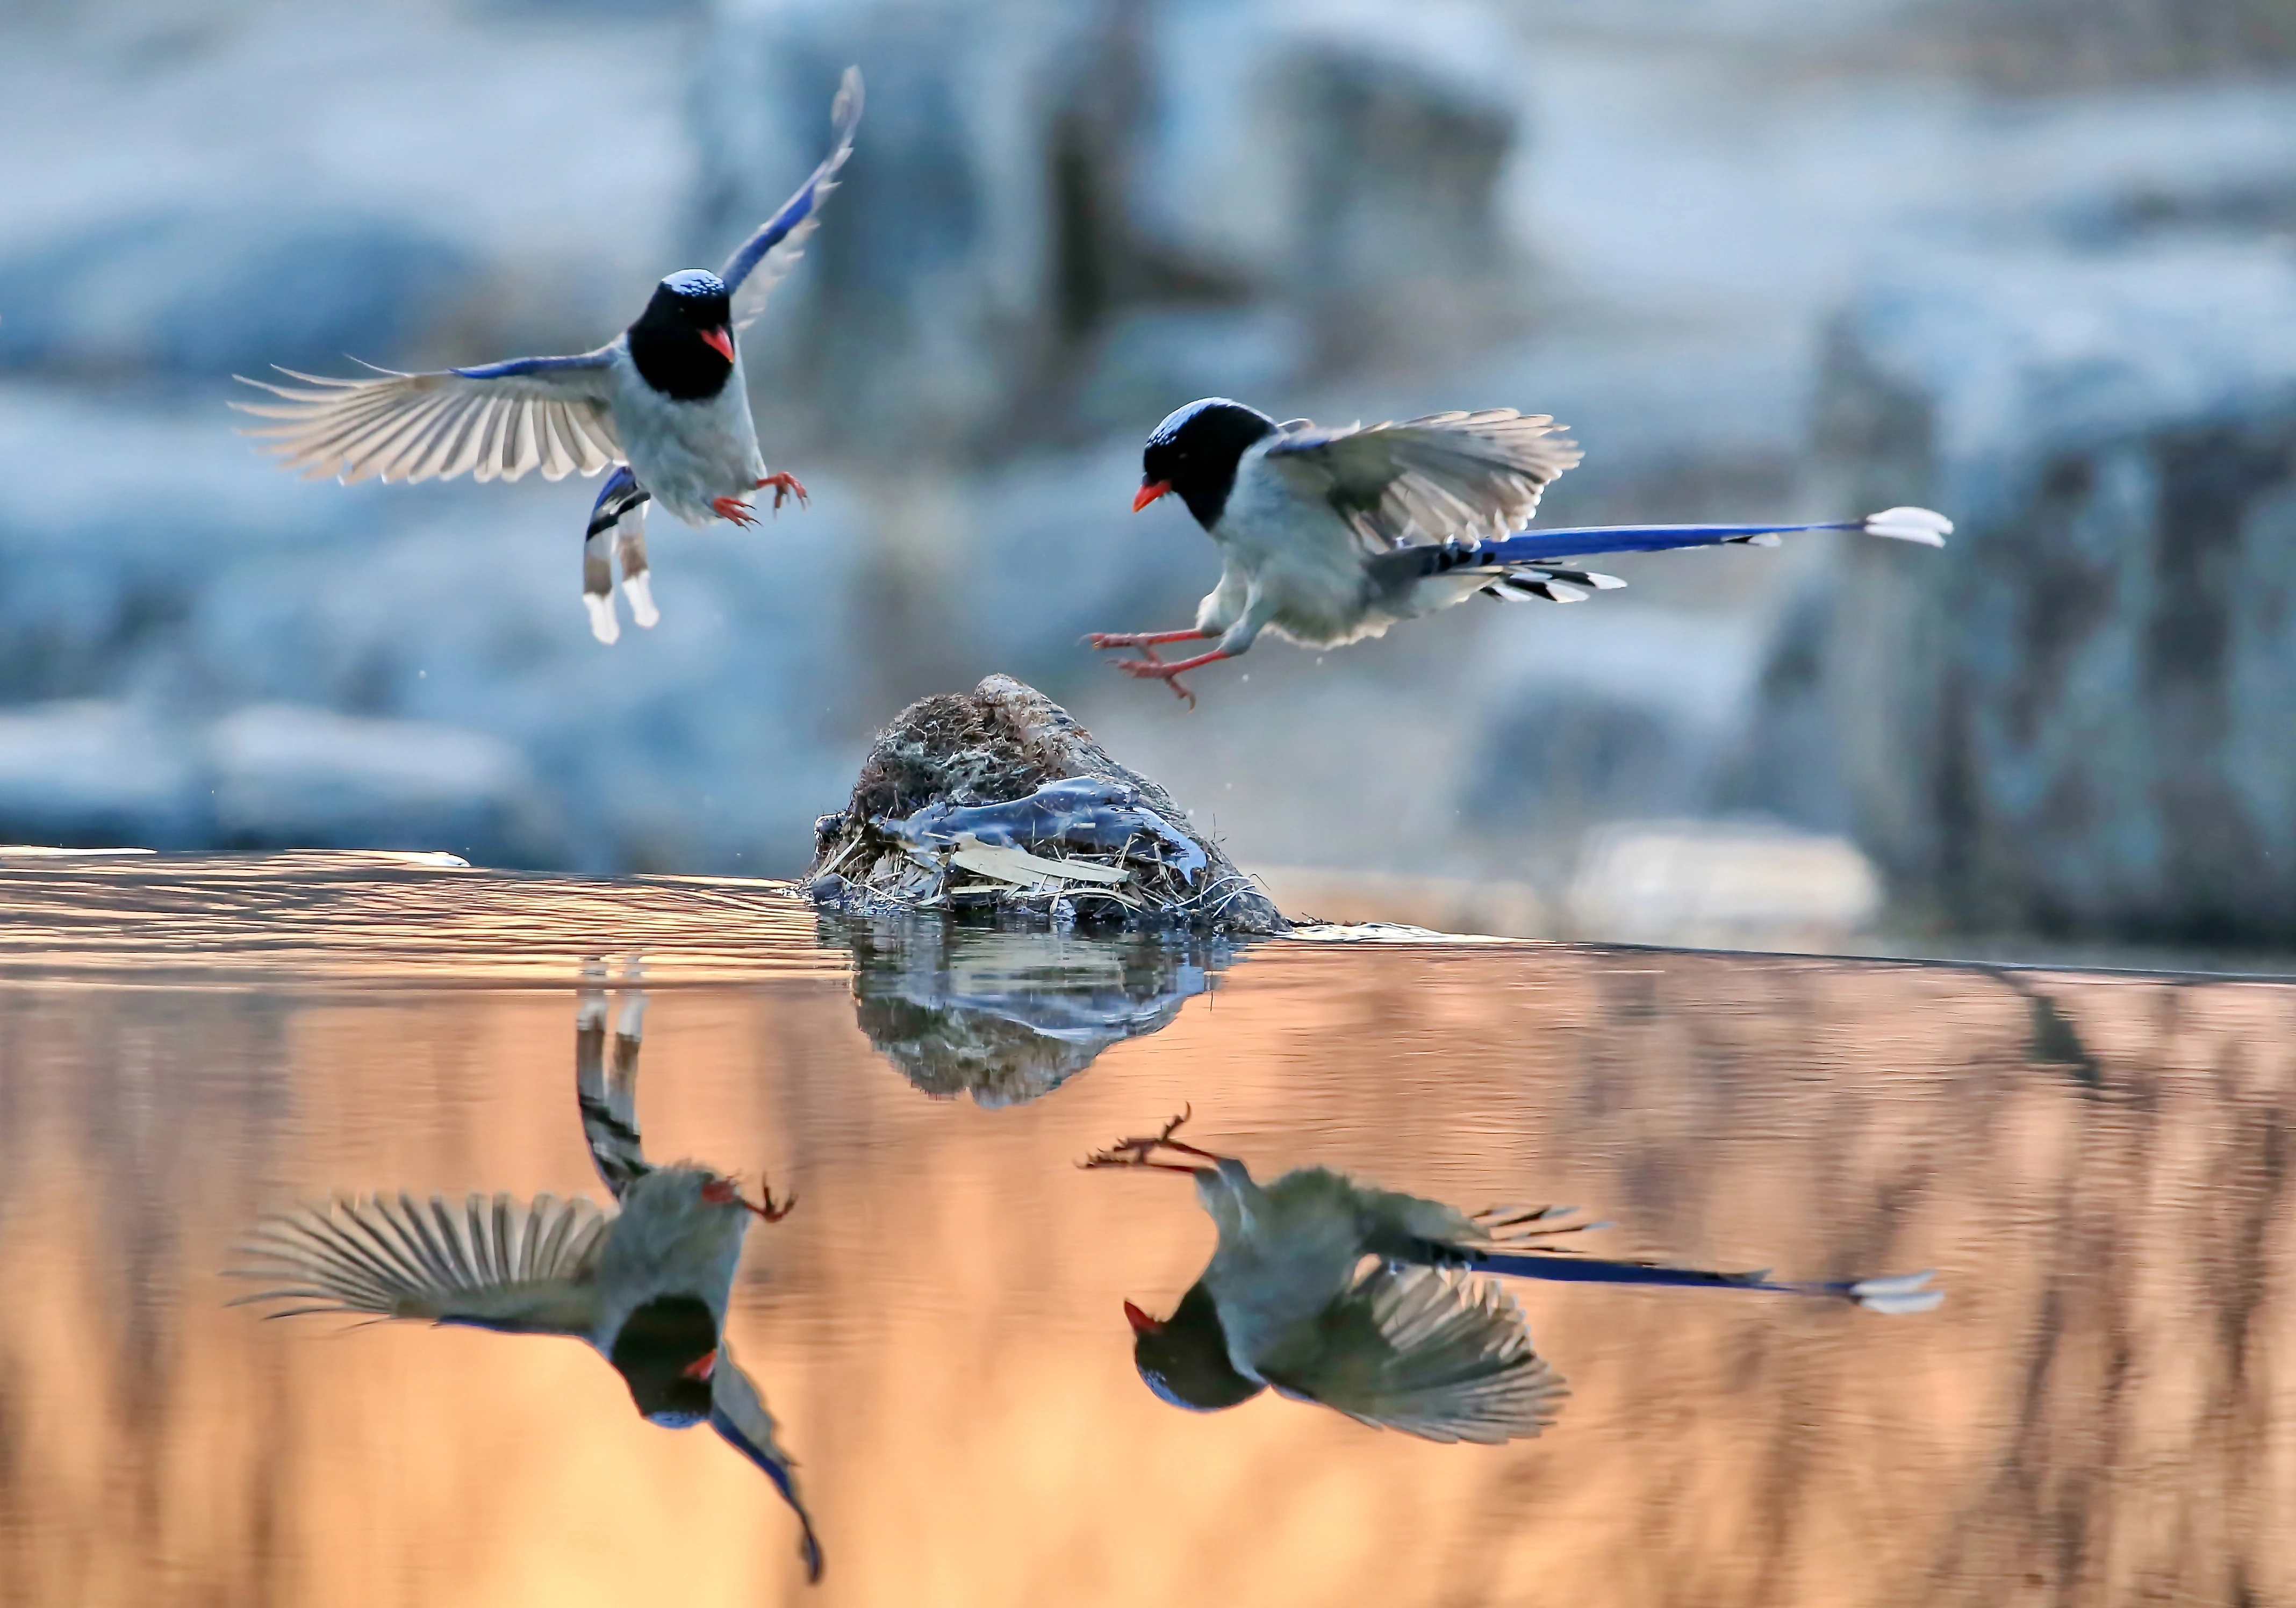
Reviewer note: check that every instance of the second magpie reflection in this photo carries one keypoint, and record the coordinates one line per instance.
(646, 1287)
(1381, 1306)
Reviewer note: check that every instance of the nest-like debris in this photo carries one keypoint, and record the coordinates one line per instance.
(997, 802)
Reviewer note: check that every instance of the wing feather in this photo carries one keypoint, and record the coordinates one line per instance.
(1438, 1353)
(1443, 476)
(555, 414)
(495, 1262)
(759, 262)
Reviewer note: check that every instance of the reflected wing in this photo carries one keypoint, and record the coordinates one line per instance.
(1446, 477)
(760, 261)
(738, 1413)
(497, 422)
(498, 1263)
(1442, 1355)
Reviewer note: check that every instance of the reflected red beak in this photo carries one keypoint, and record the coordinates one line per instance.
(702, 1366)
(722, 342)
(1149, 492)
(1142, 1323)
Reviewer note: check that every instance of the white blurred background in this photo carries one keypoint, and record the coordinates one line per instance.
(2027, 261)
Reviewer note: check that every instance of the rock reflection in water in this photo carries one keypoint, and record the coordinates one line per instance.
(1377, 1304)
(1008, 1016)
(647, 1288)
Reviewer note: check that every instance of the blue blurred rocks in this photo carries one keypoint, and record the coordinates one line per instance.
(224, 289)
(202, 581)
(1067, 217)
(93, 775)
(2076, 717)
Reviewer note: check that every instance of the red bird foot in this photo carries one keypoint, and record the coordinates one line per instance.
(785, 485)
(734, 509)
(724, 1191)
(1156, 670)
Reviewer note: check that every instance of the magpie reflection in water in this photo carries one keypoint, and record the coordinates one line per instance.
(647, 1286)
(1380, 1304)
(1008, 1016)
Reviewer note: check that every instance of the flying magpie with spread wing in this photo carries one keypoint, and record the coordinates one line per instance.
(1331, 536)
(646, 1287)
(1380, 1304)
(664, 403)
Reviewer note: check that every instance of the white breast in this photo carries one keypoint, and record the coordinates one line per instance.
(1301, 557)
(687, 454)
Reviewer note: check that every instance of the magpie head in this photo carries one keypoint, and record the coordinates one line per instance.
(666, 1352)
(1184, 1357)
(683, 343)
(1194, 453)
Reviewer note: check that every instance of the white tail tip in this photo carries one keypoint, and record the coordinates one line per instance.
(1910, 525)
(1899, 1296)
(1562, 591)
(639, 589)
(603, 626)
(1606, 583)
(1768, 539)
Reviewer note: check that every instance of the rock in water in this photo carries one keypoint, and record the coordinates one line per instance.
(2078, 721)
(995, 801)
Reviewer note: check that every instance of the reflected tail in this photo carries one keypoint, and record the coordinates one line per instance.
(1896, 1296)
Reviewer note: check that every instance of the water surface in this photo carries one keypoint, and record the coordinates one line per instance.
(2096, 1164)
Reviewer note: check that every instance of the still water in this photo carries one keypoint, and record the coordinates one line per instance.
(2096, 1165)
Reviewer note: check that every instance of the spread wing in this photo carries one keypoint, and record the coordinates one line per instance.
(1442, 1355)
(760, 261)
(491, 1262)
(737, 1412)
(497, 422)
(1446, 477)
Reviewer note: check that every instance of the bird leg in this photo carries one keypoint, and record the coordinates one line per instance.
(1144, 640)
(1141, 1151)
(734, 509)
(785, 485)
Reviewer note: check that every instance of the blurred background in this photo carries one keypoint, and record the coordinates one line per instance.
(2030, 262)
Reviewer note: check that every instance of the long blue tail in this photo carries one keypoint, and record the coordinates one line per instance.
(1896, 1296)
(1541, 546)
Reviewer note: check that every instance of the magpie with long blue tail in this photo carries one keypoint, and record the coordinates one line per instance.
(1383, 1306)
(1329, 536)
(664, 403)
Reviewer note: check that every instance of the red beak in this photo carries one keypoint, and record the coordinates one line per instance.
(721, 342)
(701, 1367)
(1149, 492)
(1142, 1323)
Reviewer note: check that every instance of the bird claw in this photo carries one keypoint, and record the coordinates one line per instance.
(1153, 668)
(773, 1212)
(734, 509)
(1136, 1152)
(727, 1192)
(785, 485)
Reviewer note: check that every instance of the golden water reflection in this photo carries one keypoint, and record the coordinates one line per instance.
(2096, 1165)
